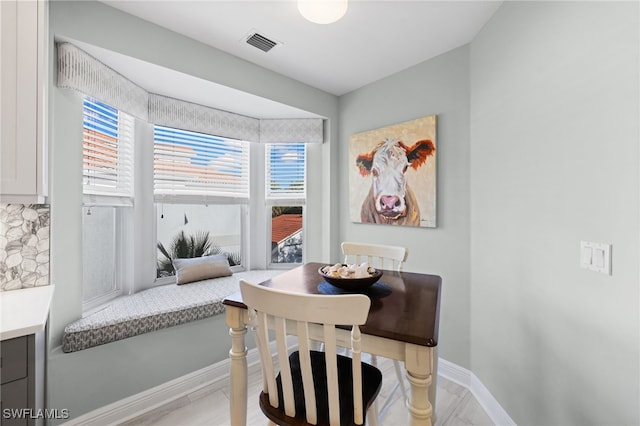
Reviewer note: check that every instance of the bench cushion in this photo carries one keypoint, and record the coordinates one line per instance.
(154, 309)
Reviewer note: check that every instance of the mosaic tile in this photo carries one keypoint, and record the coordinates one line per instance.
(24, 246)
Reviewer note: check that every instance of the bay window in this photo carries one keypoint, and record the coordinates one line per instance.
(188, 191)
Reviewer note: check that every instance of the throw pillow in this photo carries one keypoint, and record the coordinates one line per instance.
(201, 268)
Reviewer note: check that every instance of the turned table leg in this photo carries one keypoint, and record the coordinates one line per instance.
(238, 374)
(419, 374)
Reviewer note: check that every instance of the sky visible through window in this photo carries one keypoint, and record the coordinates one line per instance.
(287, 166)
(108, 122)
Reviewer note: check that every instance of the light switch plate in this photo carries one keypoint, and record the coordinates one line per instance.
(595, 257)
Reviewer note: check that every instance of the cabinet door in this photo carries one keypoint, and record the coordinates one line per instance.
(22, 93)
(13, 359)
(15, 399)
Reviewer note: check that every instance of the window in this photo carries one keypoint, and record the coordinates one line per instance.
(107, 153)
(100, 240)
(108, 194)
(285, 194)
(201, 187)
(193, 166)
(194, 230)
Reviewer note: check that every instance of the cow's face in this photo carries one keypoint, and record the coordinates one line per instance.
(388, 164)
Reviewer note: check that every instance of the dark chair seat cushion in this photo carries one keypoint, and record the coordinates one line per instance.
(371, 383)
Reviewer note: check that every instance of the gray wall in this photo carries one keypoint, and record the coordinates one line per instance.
(100, 25)
(439, 86)
(554, 160)
(537, 150)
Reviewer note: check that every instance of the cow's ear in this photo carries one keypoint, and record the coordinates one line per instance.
(364, 163)
(417, 153)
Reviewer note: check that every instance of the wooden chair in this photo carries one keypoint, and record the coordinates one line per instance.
(311, 388)
(378, 256)
(381, 257)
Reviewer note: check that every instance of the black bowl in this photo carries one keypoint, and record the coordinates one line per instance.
(351, 284)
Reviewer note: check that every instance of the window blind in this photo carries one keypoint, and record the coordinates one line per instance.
(194, 167)
(286, 172)
(107, 154)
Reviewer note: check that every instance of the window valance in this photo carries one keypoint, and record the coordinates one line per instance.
(179, 114)
(307, 130)
(80, 71)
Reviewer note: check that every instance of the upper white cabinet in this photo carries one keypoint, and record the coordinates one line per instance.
(23, 107)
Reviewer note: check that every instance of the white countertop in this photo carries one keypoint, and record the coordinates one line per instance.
(24, 311)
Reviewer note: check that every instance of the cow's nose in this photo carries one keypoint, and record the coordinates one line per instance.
(388, 202)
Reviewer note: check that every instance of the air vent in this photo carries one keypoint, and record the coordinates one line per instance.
(261, 42)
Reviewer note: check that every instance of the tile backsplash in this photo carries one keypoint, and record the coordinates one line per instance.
(24, 246)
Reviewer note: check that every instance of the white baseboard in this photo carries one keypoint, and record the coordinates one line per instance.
(454, 372)
(216, 377)
(466, 378)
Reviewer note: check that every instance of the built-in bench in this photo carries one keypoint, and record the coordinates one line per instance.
(156, 308)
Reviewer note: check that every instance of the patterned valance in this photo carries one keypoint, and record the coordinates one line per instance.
(198, 118)
(80, 71)
(306, 130)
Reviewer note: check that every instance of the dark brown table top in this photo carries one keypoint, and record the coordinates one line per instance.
(410, 313)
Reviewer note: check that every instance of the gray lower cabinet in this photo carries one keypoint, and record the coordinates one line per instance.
(18, 381)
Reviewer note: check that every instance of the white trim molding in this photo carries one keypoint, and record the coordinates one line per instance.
(466, 378)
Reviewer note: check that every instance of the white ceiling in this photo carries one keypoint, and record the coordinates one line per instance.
(373, 40)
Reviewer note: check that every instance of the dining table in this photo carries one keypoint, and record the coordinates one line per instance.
(402, 325)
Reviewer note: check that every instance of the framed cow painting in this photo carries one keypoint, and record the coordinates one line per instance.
(392, 174)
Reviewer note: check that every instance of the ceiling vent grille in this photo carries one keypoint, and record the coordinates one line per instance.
(261, 42)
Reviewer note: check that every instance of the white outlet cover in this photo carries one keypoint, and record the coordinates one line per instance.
(595, 257)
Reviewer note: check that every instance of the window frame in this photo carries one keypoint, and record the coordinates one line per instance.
(287, 200)
(123, 192)
(121, 202)
(119, 287)
(206, 200)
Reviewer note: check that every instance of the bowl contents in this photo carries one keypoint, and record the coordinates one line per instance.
(348, 271)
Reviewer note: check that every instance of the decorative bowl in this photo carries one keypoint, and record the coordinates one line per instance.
(351, 284)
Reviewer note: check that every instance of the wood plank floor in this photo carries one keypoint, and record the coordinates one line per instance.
(455, 406)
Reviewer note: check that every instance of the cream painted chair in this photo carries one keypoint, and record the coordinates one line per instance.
(380, 257)
(311, 387)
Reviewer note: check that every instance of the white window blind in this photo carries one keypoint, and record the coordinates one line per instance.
(107, 154)
(194, 167)
(285, 172)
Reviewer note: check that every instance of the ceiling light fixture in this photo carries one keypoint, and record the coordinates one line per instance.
(323, 11)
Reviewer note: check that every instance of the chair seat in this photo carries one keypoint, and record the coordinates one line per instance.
(371, 383)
